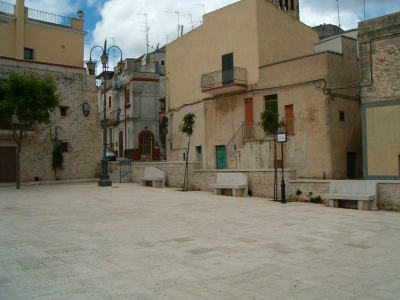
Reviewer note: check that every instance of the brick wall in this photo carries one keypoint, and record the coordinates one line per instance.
(82, 133)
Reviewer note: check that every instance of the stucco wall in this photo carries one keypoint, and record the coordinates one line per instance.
(279, 30)
(50, 42)
(82, 133)
(379, 44)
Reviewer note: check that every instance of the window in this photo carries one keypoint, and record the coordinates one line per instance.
(163, 62)
(109, 102)
(111, 138)
(162, 104)
(341, 115)
(126, 97)
(227, 68)
(64, 146)
(63, 111)
(28, 53)
(271, 102)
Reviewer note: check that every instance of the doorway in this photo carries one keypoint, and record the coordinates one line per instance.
(351, 165)
(249, 121)
(220, 157)
(8, 164)
(121, 144)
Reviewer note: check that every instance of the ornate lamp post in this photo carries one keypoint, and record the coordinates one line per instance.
(104, 178)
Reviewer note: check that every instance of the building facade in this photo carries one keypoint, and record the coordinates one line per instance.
(379, 46)
(50, 45)
(135, 107)
(40, 36)
(268, 61)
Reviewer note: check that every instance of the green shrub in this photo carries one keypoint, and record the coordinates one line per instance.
(298, 193)
(317, 199)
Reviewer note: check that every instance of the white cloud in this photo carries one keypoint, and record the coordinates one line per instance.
(122, 20)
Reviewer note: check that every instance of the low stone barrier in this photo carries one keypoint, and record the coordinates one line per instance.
(262, 182)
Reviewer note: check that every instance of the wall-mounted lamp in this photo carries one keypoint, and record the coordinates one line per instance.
(86, 108)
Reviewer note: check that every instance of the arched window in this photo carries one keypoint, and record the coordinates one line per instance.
(145, 142)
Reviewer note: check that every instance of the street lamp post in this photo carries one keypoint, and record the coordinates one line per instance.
(281, 138)
(104, 177)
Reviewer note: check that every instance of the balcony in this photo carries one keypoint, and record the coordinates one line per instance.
(224, 81)
(8, 124)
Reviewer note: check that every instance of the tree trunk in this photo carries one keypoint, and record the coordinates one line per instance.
(19, 144)
(187, 167)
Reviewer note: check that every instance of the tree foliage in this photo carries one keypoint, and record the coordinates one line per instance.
(30, 98)
(26, 99)
(270, 122)
(187, 128)
(187, 125)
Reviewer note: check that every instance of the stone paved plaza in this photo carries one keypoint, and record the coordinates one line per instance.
(80, 241)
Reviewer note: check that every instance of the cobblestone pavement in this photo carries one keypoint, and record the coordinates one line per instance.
(81, 241)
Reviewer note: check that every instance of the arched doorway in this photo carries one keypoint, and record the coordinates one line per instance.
(146, 145)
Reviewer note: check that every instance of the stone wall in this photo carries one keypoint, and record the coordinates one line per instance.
(80, 132)
(261, 182)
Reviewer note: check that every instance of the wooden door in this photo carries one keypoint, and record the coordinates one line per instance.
(8, 164)
(289, 118)
(221, 157)
(121, 144)
(249, 121)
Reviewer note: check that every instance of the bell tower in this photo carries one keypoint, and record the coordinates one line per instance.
(290, 6)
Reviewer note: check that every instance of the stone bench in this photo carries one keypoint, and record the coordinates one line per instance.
(364, 192)
(237, 182)
(153, 177)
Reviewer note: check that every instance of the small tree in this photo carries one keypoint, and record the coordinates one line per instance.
(30, 99)
(187, 128)
(270, 124)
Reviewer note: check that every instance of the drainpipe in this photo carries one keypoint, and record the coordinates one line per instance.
(19, 28)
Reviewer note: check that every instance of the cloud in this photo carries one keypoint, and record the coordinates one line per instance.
(122, 22)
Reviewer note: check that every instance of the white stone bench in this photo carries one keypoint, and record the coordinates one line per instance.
(364, 192)
(153, 177)
(237, 182)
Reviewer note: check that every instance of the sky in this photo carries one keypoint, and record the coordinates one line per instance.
(122, 22)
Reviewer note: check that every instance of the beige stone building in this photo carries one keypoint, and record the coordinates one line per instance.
(267, 61)
(379, 44)
(57, 51)
(40, 36)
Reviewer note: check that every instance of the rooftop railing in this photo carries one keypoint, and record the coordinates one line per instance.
(6, 8)
(48, 17)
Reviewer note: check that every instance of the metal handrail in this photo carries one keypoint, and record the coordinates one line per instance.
(7, 8)
(48, 17)
(235, 142)
(216, 79)
(124, 165)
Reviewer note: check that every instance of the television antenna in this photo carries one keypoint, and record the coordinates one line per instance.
(177, 13)
(147, 32)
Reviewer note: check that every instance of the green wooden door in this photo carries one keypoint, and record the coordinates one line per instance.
(221, 157)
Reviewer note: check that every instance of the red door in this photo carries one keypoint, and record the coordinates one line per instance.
(289, 118)
(8, 164)
(249, 121)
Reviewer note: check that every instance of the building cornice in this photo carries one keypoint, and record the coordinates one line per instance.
(40, 62)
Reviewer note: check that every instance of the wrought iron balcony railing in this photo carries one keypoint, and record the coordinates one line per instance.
(7, 8)
(12, 123)
(48, 17)
(221, 78)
